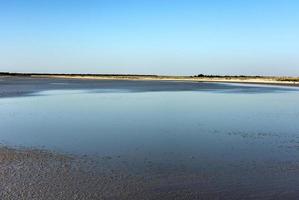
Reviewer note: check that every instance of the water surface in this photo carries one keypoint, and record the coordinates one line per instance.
(237, 134)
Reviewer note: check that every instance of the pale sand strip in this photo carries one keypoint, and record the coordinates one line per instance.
(258, 80)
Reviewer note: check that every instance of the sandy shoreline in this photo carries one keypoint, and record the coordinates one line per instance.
(269, 81)
(284, 81)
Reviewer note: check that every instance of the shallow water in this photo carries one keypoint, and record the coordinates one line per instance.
(117, 121)
(230, 129)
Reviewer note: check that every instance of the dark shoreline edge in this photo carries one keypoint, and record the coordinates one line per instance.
(240, 79)
(20, 86)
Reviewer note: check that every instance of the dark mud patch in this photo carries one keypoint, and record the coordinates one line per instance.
(39, 174)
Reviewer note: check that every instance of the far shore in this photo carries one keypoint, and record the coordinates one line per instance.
(270, 80)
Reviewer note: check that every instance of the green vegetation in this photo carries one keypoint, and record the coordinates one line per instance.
(293, 79)
(56, 74)
(228, 76)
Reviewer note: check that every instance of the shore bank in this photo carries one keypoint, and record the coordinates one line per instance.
(271, 80)
(245, 80)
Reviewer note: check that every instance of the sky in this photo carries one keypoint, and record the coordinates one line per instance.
(170, 37)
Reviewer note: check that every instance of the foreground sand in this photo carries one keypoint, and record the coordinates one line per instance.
(42, 175)
(38, 174)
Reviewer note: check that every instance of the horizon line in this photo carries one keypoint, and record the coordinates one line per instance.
(125, 74)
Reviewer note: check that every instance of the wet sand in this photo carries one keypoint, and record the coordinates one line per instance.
(39, 174)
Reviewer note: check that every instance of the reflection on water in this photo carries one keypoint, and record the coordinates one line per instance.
(184, 123)
(224, 131)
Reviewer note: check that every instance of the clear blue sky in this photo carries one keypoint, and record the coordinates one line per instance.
(254, 37)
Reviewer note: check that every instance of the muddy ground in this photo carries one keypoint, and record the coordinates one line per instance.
(39, 174)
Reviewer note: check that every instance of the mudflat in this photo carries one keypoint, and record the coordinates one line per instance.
(20, 86)
(147, 140)
(39, 174)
